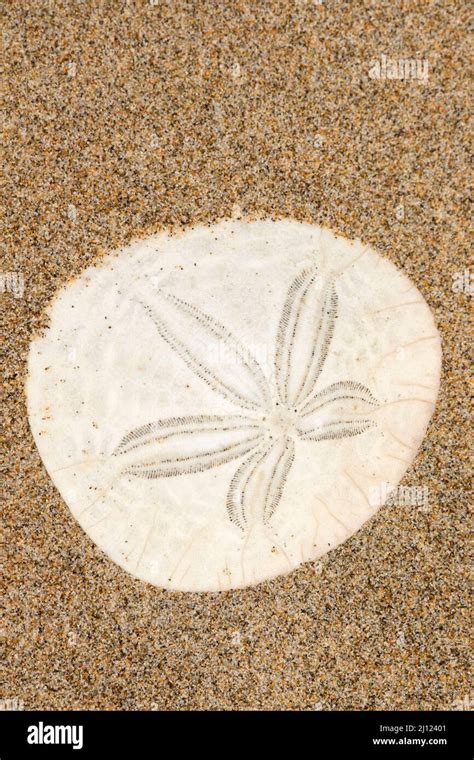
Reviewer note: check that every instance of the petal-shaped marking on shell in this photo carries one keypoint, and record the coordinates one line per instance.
(355, 394)
(287, 329)
(258, 483)
(182, 445)
(305, 331)
(335, 430)
(214, 355)
(321, 324)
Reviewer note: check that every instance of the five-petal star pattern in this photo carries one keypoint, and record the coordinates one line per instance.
(275, 413)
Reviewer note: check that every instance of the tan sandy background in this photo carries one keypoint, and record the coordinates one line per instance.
(122, 117)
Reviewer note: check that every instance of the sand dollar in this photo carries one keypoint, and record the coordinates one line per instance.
(219, 405)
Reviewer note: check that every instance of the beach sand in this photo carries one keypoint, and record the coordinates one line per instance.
(126, 117)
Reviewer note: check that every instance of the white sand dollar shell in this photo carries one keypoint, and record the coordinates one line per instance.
(218, 406)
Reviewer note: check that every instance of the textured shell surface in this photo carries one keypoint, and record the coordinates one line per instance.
(219, 405)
